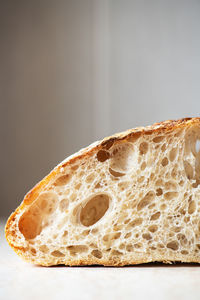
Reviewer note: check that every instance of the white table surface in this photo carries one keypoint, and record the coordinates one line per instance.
(21, 280)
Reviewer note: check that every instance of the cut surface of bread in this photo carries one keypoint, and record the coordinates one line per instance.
(131, 198)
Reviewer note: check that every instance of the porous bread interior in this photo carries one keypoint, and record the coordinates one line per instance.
(137, 201)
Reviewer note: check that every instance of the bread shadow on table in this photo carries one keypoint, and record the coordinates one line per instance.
(140, 266)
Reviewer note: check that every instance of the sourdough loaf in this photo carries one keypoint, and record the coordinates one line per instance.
(131, 198)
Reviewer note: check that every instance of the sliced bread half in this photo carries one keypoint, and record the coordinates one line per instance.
(131, 198)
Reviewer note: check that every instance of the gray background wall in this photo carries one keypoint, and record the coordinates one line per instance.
(76, 71)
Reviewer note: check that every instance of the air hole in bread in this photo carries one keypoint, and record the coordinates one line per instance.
(137, 245)
(93, 245)
(198, 246)
(129, 248)
(74, 249)
(115, 173)
(127, 235)
(44, 249)
(97, 254)
(116, 235)
(191, 207)
(164, 147)
(159, 192)
(155, 216)
(170, 185)
(148, 198)
(143, 166)
(163, 206)
(151, 206)
(34, 220)
(33, 251)
(123, 158)
(55, 236)
(170, 195)
(106, 237)
(108, 249)
(192, 144)
(74, 167)
(57, 253)
(90, 178)
(77, 186)
(186, 219)
(177, 228)
(103, 155)
(161, 246)
(184, 252)
(140, 179)
(73, 196)
(85, 232)
(94, 209)
(147, 236)
(62, 180)
(158, 139)
(173, 245)
(164, 162)
(35, 211)
(172, 154)
(143, 148)
(182, 238)
(108, 144)
(123, 185)
(133, 138)
(63, 205)
(135, 222)
(121, 246)
(159, 182)
(153, 228)
(47, 202)
(152, 176)
(116, 252)
(29, 225)
(126, 221)
(94, 230)
(152, 248)
(117, 227)
(97, 186)
(188, 169)
(174, 172)
(65, 233)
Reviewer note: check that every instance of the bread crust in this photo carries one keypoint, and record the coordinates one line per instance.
(106, 143)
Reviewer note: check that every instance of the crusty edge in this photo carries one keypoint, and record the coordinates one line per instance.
(106, 143)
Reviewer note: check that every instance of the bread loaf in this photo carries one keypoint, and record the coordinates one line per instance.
(131, 198)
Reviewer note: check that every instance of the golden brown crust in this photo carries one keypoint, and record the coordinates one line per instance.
(161, 127)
